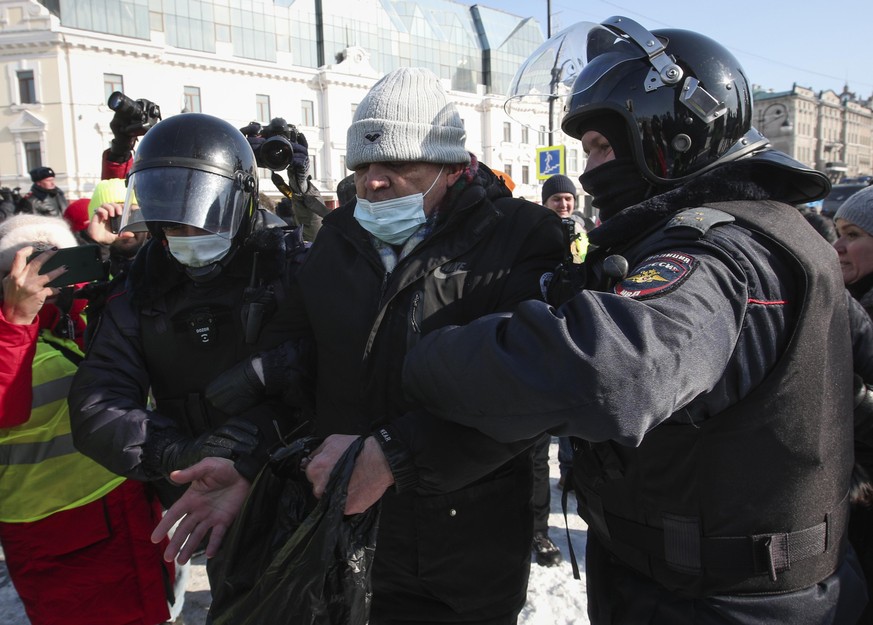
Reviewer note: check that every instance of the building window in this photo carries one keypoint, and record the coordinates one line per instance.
(572, 161)
(26, 87)
(32, 154)
(507, 132)
(525, 134)
(507, 169)
(111, 84)
(543, 136)
(525, 174)
(192, 99)
(222, 33)
(307, 113)
(262, 103)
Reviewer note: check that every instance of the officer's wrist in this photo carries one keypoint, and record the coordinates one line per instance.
(399, 459)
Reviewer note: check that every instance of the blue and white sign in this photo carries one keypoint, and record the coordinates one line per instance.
(550, 161)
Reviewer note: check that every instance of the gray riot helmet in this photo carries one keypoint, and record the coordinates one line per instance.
(197, 170)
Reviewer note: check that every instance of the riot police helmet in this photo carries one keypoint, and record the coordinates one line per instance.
(685, 101)
(196, 170)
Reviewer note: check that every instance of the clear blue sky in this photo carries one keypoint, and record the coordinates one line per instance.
(817, 44)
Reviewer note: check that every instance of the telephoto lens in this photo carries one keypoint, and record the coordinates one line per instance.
(276, 152)
(120, 103)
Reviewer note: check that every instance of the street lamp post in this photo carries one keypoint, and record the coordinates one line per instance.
(776, 126)
(774, 113)
(553, 83)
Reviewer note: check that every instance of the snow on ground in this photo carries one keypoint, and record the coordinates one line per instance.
(553, 596)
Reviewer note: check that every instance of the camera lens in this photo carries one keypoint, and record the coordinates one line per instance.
(120, 103)
(276, 153)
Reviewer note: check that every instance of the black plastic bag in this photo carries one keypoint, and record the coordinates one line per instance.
(280, 565)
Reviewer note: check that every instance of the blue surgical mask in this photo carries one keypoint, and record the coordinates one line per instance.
(199, 251)
(393, 221)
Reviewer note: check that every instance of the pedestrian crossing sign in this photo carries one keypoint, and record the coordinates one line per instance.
(550, 161)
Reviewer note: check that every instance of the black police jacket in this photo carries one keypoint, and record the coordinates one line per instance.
(778, 456)
(163, 337)
(456, 538)
(39, 201)
(713, 385)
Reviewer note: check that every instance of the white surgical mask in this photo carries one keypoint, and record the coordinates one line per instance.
(393, 221)
(200, 250)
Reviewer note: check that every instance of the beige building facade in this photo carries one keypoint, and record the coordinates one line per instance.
(56, 80)
(830, 132)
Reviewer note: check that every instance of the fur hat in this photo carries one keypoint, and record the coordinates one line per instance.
(558, 184)
(41, 232)
(858, 209)
(406, 116)
(41, 173)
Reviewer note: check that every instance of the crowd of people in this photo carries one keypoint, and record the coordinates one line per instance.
(702, 353)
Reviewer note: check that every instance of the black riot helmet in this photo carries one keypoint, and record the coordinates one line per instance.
(685, 100)
(197, 170)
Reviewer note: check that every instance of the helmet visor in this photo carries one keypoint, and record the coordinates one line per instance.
(190, 197)
(554, 71)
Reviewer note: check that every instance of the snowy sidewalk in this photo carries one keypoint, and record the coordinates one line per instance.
(553, 596)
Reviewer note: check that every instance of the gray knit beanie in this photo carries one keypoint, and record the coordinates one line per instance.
(406, 116)
(558, 184)
(858, 209)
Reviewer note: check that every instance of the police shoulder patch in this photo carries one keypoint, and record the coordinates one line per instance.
(657, 275)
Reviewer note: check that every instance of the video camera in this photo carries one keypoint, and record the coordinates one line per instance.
(139, 115)
(273, 150)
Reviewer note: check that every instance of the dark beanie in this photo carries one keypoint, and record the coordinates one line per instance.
(41, 173)
(558, 184)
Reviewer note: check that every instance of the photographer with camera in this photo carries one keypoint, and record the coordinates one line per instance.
(278, 146)
(75, 536)
(132, 120)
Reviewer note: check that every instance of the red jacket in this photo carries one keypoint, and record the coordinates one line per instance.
(114, 170)
(17, 348)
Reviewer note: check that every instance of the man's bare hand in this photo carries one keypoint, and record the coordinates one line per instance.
(212, 502)
(371, 478)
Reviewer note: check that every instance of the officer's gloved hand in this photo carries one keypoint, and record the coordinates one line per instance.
(286, 371)
(239, 388)
(299, 167)
(235, 439)
(256, 141)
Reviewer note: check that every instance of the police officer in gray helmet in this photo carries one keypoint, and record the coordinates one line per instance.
(205, 292)
(703, 370)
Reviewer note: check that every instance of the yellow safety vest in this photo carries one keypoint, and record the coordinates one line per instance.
(41, 473)
(579, 244)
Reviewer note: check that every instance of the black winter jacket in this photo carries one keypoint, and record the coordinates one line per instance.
(694, 327)
(149, 347)
(39, 201)
(454, 540)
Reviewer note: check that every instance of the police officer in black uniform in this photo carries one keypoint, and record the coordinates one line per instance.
(44, 197)
(704, 370)
(204, 293)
